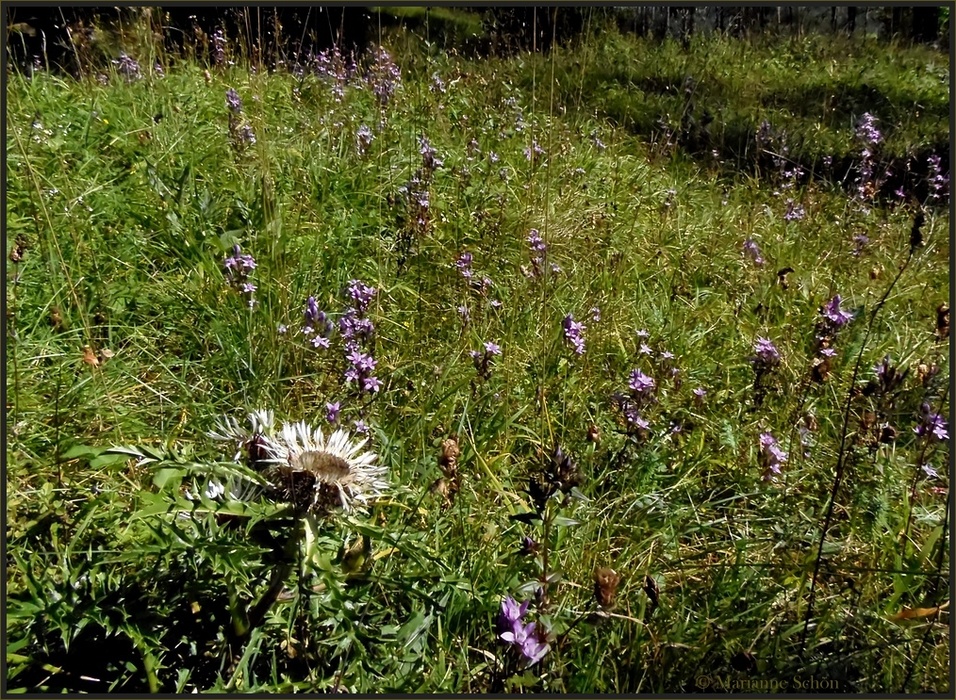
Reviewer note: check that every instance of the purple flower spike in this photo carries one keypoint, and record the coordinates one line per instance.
(932, 424)
(835, 315)
(866, 130)
(795, 212)
(573, 333)
(640, 383)
(752, 251)
(766, 352)
(332, 412)
(233, 102)
(533, 648)
(771, 456)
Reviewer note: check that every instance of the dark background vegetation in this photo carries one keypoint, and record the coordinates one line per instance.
(79, 40)
(282, 33)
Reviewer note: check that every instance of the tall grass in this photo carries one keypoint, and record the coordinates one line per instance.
(126, 194)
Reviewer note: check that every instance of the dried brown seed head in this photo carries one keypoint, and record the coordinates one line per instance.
(606, 582)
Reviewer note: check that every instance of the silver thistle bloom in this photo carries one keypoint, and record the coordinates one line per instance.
(319, 475)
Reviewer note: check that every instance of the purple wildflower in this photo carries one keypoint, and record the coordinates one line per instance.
(332, 412)
(640, 383)
(929, 472)
(765, 354)
(511, 613)
(534, 647)
(573, 331)
(128, 67)
(233, 102)
(636, 420)
(246, 135)
(932, 425)
(866, 130)
(533, 150)
(363, 139)
(538, 251)
(752, 251)
(795, 212)
(860, 241)
(595, 314)
(700, 392)
(528, 638)
(384, 76)
(463, 263)
(528, 546)
(218, 46)
(771, 456)
(361, 294)
(430, 162)
(238, 268)
(360, 427)
(316, 323)
(836, 316)
(937, 179)
(482, 360)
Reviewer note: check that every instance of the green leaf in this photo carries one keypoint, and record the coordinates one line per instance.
(163, 476)
(106, 460)
(78, 451)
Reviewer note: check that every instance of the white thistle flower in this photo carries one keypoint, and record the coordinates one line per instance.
(319, 474)
(261, 422)
(214, 489)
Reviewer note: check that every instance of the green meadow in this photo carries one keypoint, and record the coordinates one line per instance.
(652, 337)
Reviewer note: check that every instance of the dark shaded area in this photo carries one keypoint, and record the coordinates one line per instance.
(76, 39)
(60, 37)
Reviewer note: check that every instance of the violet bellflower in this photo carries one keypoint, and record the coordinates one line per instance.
(463, 264)
(238, 269)
(430, 161)
(316, 323)
(538, 251)
(938, 180)
(932, 425)
(771, 456)
(752, 251)
(357, 330)
(363, 139)
(640, 383)
(233, 101)
(766, 355)
(482, 360)
(528, 638)
(836, 316)
(573, 333)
